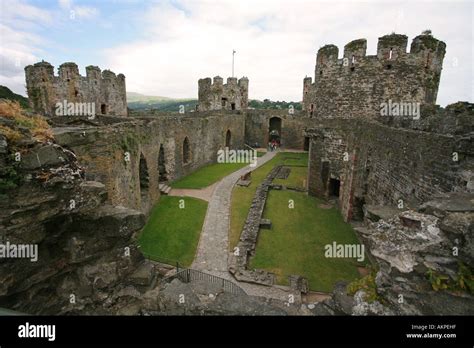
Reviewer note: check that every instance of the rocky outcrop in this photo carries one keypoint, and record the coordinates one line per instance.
(424, 261)
(198, 298)
(87, 261)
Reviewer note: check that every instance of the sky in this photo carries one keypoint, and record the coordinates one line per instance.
(164, 47)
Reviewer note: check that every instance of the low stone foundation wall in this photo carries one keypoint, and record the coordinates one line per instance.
(248, 239)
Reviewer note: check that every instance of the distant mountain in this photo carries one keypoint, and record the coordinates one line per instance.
(6, 93)
(137, 101)
(137, 97)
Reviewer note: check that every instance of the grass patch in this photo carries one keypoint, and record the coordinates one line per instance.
(242, 196)
(173, 233)
(207, 175)
(293, 158)
(297, 178)
(295, 244)
(37, 125)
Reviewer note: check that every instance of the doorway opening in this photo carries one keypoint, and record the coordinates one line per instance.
(334, 187)
(306, 144)
(274, 131)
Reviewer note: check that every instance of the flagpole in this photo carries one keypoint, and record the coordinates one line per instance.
(233, 54)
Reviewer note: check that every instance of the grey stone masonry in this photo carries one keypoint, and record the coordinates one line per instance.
(105, 89)
(216, 95)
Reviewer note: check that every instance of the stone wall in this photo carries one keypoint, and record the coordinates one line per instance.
(104, 89)
(381, 165)
(257, 127)
(101, 147)
(356, 85)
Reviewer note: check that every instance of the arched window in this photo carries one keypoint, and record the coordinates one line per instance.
(162, 174)
(144, 178)
(228, 139)
(186, 151)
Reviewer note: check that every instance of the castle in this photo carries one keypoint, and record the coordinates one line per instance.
(356, 153)
(104, 89)
(359, 158)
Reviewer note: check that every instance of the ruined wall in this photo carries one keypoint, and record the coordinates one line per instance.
(257, 127)
(356, 85)
(378, 164)
(86, 248)
(104, 89)
(102, 149)
(216, 95)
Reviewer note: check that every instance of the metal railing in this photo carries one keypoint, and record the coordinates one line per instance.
(188, 275)
(163, 260)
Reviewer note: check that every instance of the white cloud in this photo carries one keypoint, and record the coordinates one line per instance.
(276, 42)
(18, 45)
(86, 12)
(15, 10)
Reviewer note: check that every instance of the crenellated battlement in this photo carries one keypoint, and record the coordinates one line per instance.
(215, 95)
(426, 51)
(393, 73)
(103, 88)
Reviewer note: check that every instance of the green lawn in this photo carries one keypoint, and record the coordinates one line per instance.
(295, 244)
(242, 196)
(173, 233)
(297, 178)
(293, 158)
(207, 175)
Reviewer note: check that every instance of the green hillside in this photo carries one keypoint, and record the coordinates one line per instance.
(137, 101)
(6, 93)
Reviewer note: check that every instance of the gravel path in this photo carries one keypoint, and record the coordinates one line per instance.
(204, 194)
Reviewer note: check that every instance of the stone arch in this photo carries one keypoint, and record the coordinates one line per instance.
(228, 138)
(143, 176)
(274, 129)
(186, 151)
(162, 173)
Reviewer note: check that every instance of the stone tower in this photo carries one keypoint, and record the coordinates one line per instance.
(215, 95)
(104, 89)
(357, 84)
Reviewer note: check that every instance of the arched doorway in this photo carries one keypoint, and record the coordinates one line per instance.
(186, 151)
(228, 139)
(143, 175)
(306, 144)
(274, 130)
(162, 174)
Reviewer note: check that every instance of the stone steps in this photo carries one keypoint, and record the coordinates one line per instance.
(164, 188)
